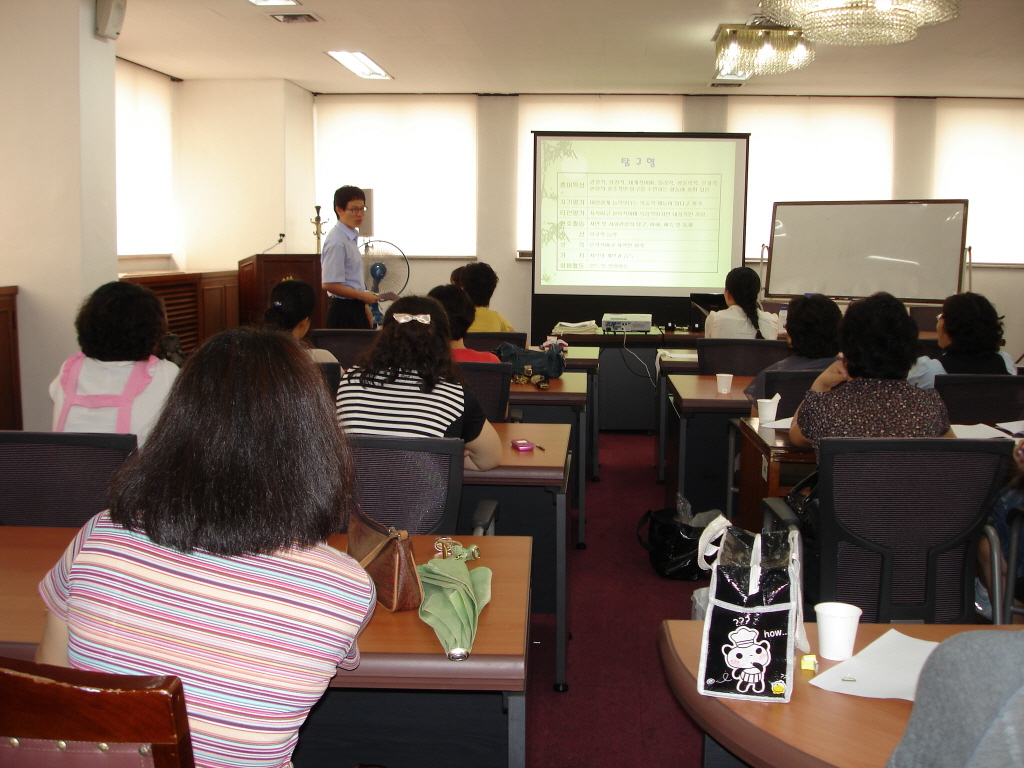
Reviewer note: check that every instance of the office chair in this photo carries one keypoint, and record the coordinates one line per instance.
(740, 357)
(346, 344)
(490, 383)
(1015, 519)
(54, 716)
(332, 376)
(792, 385)
(414, 484)
(898, 525)
(57, 478)
(982, 399)
(488, 342)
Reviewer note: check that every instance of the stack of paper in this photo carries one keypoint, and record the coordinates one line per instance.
(977, 431)
(584, 326)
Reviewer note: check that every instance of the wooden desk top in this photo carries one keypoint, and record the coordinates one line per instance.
(536, 467)
(398, 650)
(602, 339)
(774, 442)
(700, 394)
(570, 389)
(817, 728)
(680, 361)
(582, 358)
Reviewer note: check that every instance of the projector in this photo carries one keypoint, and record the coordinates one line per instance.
(626, 323)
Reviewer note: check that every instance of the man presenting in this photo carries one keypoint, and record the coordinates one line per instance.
(342, 266)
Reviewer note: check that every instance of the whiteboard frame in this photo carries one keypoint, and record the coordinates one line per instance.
(915, 299)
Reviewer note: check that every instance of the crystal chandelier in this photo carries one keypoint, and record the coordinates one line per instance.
(860, 22)
(742, 50)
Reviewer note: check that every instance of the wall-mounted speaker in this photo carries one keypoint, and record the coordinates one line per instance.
(110, 17)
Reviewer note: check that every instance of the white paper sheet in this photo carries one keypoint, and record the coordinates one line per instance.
(886, 669)
(982, 431)
(1013, 427)
(779, 423)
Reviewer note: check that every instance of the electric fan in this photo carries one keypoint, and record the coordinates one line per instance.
(385, 270)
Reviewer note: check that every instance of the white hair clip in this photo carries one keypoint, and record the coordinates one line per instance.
(402, 317)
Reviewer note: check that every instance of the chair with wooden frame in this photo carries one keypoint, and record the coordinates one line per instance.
(982, 398)
(490, 383)
(488, 342)
(53, 716)
(346, 344)
(740, 357)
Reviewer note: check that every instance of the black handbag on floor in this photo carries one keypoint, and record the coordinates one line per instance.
(671, 544)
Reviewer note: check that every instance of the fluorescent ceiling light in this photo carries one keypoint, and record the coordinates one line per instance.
(360, 64)
(274, 2)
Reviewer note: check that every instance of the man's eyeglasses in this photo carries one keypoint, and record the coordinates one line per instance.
(355, 210)
(401, 317)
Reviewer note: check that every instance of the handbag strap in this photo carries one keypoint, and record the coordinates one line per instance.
(707, 546)
(640, 526)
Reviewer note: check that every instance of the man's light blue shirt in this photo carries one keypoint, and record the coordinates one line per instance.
(340, 261)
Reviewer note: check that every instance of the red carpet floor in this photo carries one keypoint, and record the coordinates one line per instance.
(618, 710)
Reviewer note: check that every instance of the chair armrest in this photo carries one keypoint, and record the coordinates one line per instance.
(484, 515)
(995, 588)
(516, 415)
(777, 509)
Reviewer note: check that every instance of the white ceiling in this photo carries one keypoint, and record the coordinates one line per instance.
(555, 46)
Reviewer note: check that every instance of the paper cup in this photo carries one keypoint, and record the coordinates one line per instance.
(724, 383)
(766, 410)
(837, 629)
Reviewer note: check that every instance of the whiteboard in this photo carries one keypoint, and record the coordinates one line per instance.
(911, 248)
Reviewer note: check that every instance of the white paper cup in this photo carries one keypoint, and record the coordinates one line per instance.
(766, 410)
(837, 629)
(724, 383)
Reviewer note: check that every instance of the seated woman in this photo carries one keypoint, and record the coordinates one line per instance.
(291, 310)
(866, 393)
(742, 319)
(211, 563)
(479, 280)
(812, 329)
(115, 384)
(460, 311)
(408, 385)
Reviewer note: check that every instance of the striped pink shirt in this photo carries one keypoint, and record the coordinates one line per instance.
(255, 639)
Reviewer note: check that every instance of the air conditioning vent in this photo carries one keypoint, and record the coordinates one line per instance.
(295, 18)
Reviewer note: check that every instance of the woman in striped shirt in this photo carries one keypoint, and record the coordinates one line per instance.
(408, 385)
(212, 562)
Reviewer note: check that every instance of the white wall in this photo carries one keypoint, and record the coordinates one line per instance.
(57, 204)
(244, 170)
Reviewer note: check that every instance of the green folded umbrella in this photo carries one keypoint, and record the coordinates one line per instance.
(453, 597)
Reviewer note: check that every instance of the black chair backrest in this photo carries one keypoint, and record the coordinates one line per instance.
(57, 478)
(410, 483)
(792, 385)
(332, 375)
(740, 357)
(982, 399)
(346, 344)
(488, 342)
(126, 721)
(899, 523)
(490, 383)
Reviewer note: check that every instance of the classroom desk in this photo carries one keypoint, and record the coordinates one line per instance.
(398, 650)
(588, 360)
(817, 728)
(527, 484)
(670, 362)
(762, 453)
(566, 398)
(697, 397)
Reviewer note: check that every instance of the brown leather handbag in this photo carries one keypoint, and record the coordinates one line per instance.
(386, 554)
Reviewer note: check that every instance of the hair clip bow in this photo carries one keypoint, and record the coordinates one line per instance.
(402, 317)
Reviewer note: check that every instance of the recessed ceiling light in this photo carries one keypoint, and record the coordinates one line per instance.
(274, 2)
(360, 64)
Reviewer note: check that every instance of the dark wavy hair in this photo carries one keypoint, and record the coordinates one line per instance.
(743, 284)
(457, 305)
(291, 302)
(411, 347)
(878, 338)
(813, 326)
(247, 456)
(972, 324)
(345, 195)
(479, 281)
(456, 276)
(120, 321)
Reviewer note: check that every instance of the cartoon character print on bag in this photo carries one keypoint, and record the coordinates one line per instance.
(747, 658)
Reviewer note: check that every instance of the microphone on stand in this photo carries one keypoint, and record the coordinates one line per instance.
(280, 239)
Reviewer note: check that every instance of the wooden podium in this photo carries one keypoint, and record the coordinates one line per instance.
(257, 276)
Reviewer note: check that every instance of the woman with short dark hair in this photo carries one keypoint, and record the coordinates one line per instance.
(866, 393)
(116, 383)
(291, 309)
(970, 332)
(742, 318)
(460, 310)
(408, 385)
(211, 563)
